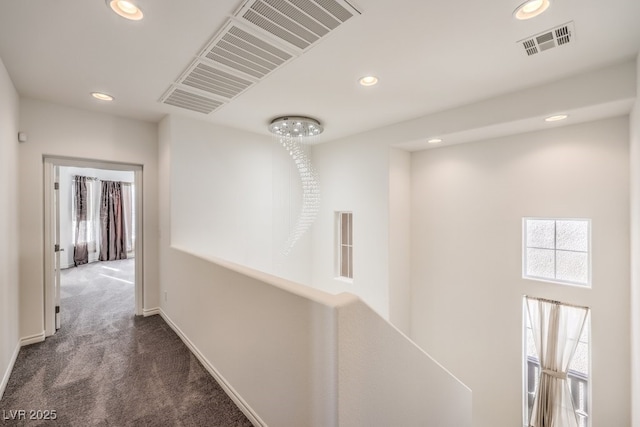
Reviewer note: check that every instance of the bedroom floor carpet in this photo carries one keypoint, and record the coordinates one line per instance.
(107, 367)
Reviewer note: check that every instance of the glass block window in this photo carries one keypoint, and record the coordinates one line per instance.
(578, 376)
(345, 244)
(557, 250)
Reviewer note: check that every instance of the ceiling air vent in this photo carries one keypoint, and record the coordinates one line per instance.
(204, 77)
(233, 61)
(191, 101)
(300, 23)
(549, 39)
(241, 51)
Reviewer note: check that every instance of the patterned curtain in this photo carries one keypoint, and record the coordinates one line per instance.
(80, 199)
(113, 227)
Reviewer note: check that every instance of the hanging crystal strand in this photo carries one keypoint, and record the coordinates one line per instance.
(310, 190)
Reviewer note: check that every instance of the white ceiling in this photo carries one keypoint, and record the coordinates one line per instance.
(430, 56)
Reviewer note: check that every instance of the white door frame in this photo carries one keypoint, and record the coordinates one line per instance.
(50, 162)
(56, 255)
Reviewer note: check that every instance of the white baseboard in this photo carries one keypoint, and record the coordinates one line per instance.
(239, 401)
(32, 339)
(7, 374)
(150, 312)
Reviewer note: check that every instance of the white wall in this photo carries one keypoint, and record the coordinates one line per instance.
(165, 136)
(635, 257)
(9, 243)
(400, 239)
(293, 356)
(236, 195)
(255, 336)
(467, 206)
(387, 380)
(65, 194)
(280, 347)
(61, 131)
(273, 348)
(360, 173)
(232, 190)
(354, 177)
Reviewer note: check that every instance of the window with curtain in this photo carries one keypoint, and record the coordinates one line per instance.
(103, 220)
(85, 219)
(115, 220)
(556, 364)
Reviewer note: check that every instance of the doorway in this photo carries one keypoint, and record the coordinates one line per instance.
(62, 227)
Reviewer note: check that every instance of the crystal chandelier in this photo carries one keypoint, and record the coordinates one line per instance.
(293, 132)
(295, 126)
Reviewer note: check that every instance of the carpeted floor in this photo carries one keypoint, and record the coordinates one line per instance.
(107, 367)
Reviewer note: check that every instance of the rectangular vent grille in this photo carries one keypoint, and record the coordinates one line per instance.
(244, 52)
(563, 35)
(191, 101)
(215, 81)
(549, 39)
(233, 61)
(530, 47)
(300, 23)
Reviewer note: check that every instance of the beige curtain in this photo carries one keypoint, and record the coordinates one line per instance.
(127, 212)
(556, 330)
(93, 219)
(85, 205)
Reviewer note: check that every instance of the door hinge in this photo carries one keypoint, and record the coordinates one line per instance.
(56, 185)
(57, 315)
(56, 248)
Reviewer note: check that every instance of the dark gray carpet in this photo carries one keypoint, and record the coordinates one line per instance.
(107, 367)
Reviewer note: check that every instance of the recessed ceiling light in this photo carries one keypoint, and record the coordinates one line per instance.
(368, 80)
(126, 9)
(556, 118)
(531, 9)
(435, 141)
(102, 96)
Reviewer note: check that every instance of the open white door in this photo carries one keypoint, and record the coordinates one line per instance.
(51, 255)
(57, 248)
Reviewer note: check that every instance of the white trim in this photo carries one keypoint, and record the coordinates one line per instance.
(139, 244)
(150, 312)
(7, 374)
(32, 339)
(231, 392)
